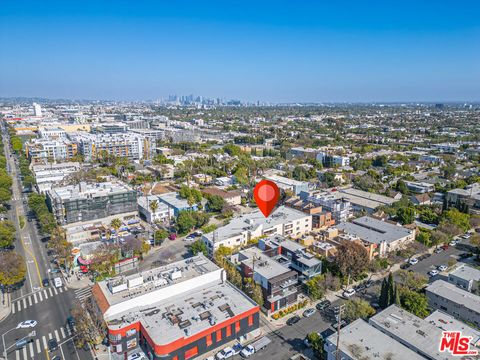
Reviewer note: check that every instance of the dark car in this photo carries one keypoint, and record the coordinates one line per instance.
(56, 357)
(360, 287)
(46, 282)
(52, 345)
(369, 283)
(342, 324)
(326, 333)
(293, 320)
(322, 305)
(71, 323)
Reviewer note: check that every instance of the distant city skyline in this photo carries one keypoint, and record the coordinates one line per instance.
(272, 52)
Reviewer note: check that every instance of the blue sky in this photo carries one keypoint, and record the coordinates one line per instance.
(278, 51)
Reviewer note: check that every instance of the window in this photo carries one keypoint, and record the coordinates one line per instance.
(228, 331)
(209, 339)
(250, 320)
(191, 353)
(219, 335)
(237, 326)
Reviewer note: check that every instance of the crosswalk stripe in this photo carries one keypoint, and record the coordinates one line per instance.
(50, 336)
(17, 354)
(55, 291)
(40, 296)
(24, 351)
(60, 290)
(19, 307)
(44, 341)
(56, 336)
(45, 294)
(37, 342)
(50, 291)
(35, 298)
(13, 308)
(63, 332)
(29, 301)
(30, 347)
(24, 303)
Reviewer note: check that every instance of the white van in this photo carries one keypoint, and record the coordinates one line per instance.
(57, 282)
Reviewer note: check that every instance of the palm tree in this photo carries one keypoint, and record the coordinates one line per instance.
(153, 207)
(116, 224)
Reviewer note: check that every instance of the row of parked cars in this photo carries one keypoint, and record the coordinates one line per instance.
(245, 352)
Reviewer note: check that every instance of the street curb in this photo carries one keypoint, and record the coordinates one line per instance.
(7, 311)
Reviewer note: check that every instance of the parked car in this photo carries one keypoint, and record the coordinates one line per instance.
(369, 283)
(349, 293)
(190, 237)
(360, 287)
(225, 353)
(293, 320)
(71, 323)
(56, 357)
(453, 243)
(442, 267)
(438, 250)
(336, 324)
(172, 236)
(413, 261)
(27, 324)
(432, 273)
(324, 304)
(309, 312)
(256, 346)
(46, 282)
(52, 345)
(445, 246)
(136, 356)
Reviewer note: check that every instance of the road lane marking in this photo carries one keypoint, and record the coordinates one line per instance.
(35, 297)
(40, 296)
(55, 291)
(24, 351)
(13, 308)
(30, 347)
(24, 303)
(50, 291)
(60, 290)
(31, 255)
(30, 301)
(44, 342)
(19, 307)
(17, 354)
(37, 342)
(63, 332)
(45, 293)
(56, 336)
(50, 337)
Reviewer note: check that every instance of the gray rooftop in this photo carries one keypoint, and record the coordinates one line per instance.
(466, 272)
(412, 331)
(449, 323)
(354, 195)
(451, 292)
(174, 199)
(359, 340)
(83, 190)
(265, 266)
(374, 230)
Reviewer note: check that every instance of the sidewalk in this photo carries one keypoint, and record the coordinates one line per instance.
(74, 282)
(5, 307)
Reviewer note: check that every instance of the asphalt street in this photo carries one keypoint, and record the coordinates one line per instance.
(49, 306)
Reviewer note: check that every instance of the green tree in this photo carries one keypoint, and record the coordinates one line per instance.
(159, 236)
(453, 216)
(199, 247)
(153, 206)
(414, 302)
(5, 195)
(12, 268)
(317, 344)
(116, 224)
(7, 233)
(402, 187)
(185, 222)
(314, 288)
(358, 308)
(406, 215)
(215, 203)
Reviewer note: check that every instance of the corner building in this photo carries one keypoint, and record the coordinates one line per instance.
(175, 312)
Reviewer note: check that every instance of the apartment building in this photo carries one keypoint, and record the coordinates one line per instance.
(296, 187)
(283, 221)
(333, 202)
(279, 283)
(130, 145)
(465, 277)
(48, 175)
(465, 199)
(162, 213)
(90, 201)
(385, 236)
(45, 150)
(449, 298)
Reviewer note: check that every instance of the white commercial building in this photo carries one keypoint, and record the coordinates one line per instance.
(162, 213)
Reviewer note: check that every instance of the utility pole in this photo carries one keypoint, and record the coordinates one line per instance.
(341, 307)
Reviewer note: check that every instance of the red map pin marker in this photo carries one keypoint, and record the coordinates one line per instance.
(266, 194)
